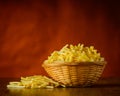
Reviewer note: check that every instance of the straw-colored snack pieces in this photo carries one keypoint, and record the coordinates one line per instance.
(36, 81)
(79, 53)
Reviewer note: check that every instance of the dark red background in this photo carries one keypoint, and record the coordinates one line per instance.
(31, 29)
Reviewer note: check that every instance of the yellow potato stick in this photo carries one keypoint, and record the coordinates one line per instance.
(36, 81)
(77, 53)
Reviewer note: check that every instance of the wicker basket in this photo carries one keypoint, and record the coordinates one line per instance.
(75, 74)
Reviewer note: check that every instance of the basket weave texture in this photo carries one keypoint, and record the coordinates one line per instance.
(75, 74)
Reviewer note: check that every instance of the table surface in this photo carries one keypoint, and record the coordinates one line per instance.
(104, 87)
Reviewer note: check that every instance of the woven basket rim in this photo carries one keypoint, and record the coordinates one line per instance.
(75, 64)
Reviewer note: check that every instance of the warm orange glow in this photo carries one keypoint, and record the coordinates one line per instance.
(31, 30)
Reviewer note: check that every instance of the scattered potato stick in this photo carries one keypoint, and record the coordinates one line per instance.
(36, 81)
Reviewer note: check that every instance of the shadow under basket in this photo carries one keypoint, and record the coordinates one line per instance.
(75, 74)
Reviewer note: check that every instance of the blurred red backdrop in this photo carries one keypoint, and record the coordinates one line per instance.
(31, 29)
